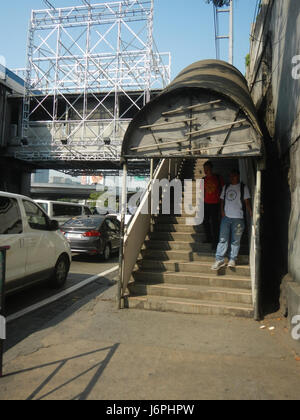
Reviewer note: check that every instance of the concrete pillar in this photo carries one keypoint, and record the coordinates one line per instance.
(25, 183)
(14, 177)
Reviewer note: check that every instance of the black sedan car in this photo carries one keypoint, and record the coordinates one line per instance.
(93, 235)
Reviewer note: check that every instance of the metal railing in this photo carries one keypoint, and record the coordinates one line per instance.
(140, 226)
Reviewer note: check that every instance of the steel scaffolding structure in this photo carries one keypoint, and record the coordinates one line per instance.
(90, 68)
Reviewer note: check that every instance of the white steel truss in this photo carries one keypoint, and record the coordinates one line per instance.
(90, 68)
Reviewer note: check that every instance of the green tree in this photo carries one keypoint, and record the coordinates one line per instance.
(247, 60)
(219, 3)
(93, 199)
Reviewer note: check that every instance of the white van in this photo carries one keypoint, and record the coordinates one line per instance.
(38, 249)
(63, 211)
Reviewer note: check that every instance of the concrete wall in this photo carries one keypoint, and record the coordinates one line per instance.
(275, 40)
(2, 110)
(4, 116)
(15, 177)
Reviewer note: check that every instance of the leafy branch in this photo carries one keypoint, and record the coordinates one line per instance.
(219, 3)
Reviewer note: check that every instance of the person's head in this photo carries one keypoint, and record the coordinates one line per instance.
(208, 168)
(235, 176)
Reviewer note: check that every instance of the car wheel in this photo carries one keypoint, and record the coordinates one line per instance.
(60, 272)
(106, 252)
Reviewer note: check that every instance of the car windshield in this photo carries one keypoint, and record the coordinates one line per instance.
(61, 210)
(44, 206)
(87, 222)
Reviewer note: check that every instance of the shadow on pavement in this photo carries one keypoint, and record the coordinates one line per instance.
(94, 259)
(56, 312)
(58, 368)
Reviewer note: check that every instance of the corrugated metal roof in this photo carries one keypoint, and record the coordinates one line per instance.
(214, 76)
(220, 77)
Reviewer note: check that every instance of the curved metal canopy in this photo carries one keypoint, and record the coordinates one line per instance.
(207, 111)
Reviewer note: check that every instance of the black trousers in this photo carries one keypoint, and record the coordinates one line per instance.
(211, 223)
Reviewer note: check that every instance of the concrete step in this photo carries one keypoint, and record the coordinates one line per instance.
(178, 228)
(174, 272)
(177, 236)
(189, 306)
(183, 246)
(187, 215)
(190, 200)
(196, 279)
(176, 245)
(193, 267)
(178, 220)
(172, 219)
(193, 213)
(192, 292)
(159, 255)
(190, 194)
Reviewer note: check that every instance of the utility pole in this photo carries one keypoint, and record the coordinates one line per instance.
(231, 32)
(218, 35)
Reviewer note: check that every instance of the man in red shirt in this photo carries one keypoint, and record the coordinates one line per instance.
(213, 185)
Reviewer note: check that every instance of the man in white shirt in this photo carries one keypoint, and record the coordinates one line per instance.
(234, 199)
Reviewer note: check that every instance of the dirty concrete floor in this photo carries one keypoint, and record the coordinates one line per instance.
(93, 351)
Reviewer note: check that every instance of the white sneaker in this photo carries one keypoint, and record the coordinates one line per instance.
(231, 264)
(217, 265)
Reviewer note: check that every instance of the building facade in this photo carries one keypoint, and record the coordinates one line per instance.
(274, 81)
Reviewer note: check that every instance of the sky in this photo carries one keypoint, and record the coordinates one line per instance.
(183, 27)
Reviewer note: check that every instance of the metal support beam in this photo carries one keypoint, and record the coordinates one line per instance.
(48, 4)
(192, 133)
(168, 123)
(192, 107)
